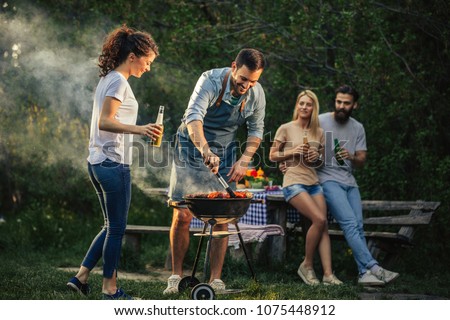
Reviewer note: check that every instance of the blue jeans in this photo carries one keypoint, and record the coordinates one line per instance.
(112, 182)
(344, 203)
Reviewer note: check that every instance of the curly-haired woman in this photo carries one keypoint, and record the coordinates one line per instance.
(126, 52)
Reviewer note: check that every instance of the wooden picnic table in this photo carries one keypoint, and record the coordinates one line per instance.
(386, 235)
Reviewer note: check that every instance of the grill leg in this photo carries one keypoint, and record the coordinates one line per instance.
(212, 222)
(245, 251)
(199, 248)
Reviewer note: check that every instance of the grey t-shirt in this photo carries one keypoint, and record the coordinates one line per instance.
(352, 137)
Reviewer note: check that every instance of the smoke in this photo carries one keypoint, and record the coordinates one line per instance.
(64, 80)
(52, 70)
(62, 75)
(151, 165)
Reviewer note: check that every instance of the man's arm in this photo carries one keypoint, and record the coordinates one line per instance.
(211, 160)
(239, 169)
(358, 159)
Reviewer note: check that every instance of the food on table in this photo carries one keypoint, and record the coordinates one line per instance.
(220, 195)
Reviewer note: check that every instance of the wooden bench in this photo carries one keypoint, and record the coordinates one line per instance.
(133, 234)
(249, 234)
(386, 235)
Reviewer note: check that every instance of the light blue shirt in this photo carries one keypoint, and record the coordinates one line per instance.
(207, 91)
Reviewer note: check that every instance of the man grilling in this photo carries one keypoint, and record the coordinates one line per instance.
(223, 100)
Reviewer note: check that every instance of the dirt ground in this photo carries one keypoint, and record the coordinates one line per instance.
(160, 274)
(152, 274)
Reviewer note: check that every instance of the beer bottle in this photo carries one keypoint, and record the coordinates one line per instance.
(337, 149)
(159, 120)
(305, 138)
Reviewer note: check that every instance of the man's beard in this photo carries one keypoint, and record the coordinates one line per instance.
(342, 115)
(235, 87)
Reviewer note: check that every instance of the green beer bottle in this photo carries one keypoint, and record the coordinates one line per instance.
(337, 149)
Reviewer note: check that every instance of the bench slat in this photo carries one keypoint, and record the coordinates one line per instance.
(389, 236)
(399, 205)
(381, 204)
(403, 220)
(153, 229)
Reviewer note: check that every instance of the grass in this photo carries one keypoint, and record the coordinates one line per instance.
(36, 245)
(35, 275)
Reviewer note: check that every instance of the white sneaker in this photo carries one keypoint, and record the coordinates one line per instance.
(368, 279)
(308, 275)
(385, 275)
(217, 285)
(172, 284)
(331, 280)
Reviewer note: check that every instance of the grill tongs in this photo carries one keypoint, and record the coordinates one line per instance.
(225, 185)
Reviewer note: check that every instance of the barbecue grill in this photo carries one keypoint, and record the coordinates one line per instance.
(213, 211)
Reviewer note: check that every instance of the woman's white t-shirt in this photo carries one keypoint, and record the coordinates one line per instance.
(108, 145)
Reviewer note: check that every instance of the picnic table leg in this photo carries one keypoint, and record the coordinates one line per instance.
(385, 252)
(132, 241)
(277, 214)
(241, 240)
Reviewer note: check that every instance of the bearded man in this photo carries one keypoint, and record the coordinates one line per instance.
(339, 185)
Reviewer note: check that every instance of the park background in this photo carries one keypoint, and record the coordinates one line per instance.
(396, 53)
